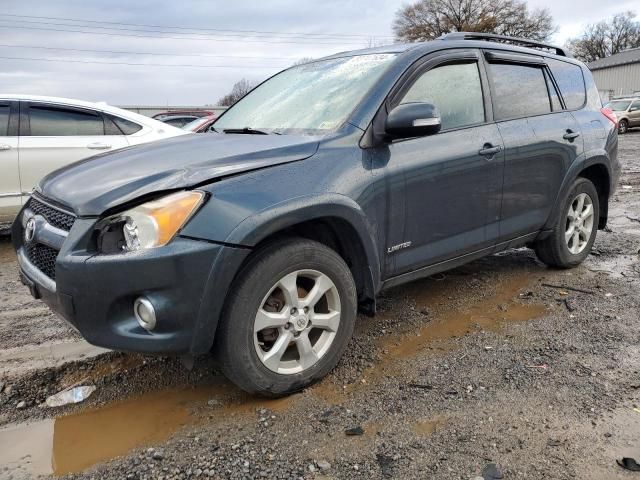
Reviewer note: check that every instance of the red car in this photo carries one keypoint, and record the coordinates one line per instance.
(171, 113)
(200, 125)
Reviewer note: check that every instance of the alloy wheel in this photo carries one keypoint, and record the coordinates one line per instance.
(297, 322)
(623, 127)
(580, 222)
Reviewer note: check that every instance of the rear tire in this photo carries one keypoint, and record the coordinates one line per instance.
(575, 228)
(623, 127)
(288, 318)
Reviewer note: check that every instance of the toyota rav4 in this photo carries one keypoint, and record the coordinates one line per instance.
(327, 183)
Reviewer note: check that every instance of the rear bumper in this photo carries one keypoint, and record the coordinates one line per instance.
(186, 281)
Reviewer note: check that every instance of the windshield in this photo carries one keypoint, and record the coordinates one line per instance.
(308, 99)
(619, 106)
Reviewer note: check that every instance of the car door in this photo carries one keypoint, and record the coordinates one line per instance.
(634, 114)
(541, 140)
(446, 187)
(55, 135)
(9, 171)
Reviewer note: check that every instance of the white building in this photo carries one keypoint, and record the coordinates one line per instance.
(618, 74)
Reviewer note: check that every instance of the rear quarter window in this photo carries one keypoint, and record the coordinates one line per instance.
(570, 81)
(519, 91)
(126, 126)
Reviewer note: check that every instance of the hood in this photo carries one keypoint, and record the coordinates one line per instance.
(99, 183)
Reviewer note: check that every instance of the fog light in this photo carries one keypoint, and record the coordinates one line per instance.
(145, 313)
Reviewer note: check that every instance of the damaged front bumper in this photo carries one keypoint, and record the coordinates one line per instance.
(186, 281)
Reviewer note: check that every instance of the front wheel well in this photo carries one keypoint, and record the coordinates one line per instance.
(599, 176)
(339, 235)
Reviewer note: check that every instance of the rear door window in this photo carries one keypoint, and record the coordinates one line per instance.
(456, 91)
(4, 120)
(519, 91)
(50, 121)
(570, 81)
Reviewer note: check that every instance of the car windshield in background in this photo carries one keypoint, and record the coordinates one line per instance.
(307, 99)
(195, 123)
(619, 106)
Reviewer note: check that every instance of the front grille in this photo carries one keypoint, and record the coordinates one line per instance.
(55, 217)
(44, 258)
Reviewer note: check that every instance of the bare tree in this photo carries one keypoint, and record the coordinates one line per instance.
(239, 90)
(429, 19)
(607, 37)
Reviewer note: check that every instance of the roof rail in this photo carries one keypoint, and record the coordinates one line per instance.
(490, 37)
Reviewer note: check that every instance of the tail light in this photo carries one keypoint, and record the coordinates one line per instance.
(607, 112)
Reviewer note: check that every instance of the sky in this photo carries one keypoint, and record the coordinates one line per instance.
(191, 52)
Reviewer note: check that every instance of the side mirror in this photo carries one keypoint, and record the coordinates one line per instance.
(413, 120)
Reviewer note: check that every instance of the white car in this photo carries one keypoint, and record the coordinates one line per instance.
(41, 134)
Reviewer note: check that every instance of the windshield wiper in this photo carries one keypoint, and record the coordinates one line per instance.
(246, 130)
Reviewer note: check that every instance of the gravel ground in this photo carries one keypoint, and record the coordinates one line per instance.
(501, 364)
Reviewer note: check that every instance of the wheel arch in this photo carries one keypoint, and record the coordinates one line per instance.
(334, 220)
(595, 168)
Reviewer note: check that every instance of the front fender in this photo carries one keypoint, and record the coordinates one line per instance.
(260, 225)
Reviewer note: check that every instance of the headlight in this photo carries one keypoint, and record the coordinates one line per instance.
(154, 224)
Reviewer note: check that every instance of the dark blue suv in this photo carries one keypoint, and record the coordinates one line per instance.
(326, 184)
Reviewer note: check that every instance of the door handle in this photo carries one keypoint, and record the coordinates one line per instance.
(98, 146)
(489, 150)
(570, 135)
(4, 146)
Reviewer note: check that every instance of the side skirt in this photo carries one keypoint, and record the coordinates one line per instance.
(457, 261)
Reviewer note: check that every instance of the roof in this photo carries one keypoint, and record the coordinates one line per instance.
(623, 58)
(101, 106)
(464, 40)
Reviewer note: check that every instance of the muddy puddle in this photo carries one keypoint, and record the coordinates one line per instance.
(429, 426)
(491, 313)
(73, 443)
(506, 305)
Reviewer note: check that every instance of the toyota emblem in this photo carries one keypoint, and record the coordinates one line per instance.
(30, 230)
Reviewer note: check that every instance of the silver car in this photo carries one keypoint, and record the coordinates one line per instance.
(627, 111)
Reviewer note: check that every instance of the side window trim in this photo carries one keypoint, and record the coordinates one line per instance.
(492, 56)
(451, 57)
(24, 129)
(520, 62)
(549, 80)
(25, 117)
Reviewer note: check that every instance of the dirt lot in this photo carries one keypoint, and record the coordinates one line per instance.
(500, 362)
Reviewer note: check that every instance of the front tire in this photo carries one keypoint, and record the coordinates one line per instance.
(575, 228)
(288, 318)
